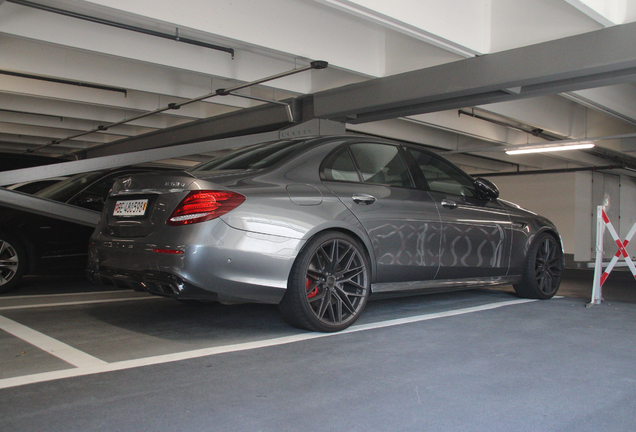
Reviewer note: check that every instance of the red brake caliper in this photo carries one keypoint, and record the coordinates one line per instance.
(312, 293)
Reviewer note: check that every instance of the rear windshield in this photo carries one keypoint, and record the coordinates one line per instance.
(253, 157)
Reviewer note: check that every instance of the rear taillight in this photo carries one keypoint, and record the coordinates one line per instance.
(204, 205)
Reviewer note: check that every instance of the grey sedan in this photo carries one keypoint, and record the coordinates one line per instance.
(318, 225)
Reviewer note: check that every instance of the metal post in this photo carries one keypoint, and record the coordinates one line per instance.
(597, 294)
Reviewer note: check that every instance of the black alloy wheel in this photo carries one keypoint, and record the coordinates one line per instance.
(329, 284)
(543, 271)
(12, 263)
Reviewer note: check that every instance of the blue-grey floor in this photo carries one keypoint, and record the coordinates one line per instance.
(540, 366)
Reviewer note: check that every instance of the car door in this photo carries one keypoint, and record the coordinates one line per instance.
(476, 232)
(373, 181)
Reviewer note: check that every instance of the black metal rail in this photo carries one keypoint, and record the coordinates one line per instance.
(174, 37)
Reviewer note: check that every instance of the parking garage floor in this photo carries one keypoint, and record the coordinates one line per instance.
(80, 357)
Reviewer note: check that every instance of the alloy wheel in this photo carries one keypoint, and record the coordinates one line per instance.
(336, 282)
(9, 262)
(548, 265)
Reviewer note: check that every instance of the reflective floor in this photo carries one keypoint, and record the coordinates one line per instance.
(100, 358)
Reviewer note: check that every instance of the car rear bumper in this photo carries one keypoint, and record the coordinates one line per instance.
(229, 265)
(169, 285)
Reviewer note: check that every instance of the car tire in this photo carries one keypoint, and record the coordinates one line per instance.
(329, 284)
(13, 262)
(544, 266)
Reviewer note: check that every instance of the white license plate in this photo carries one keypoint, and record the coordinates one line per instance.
(130, 208)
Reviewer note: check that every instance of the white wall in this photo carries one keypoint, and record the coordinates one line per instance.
(628, 210)
(550, 195)
(584, 217)
(569, 200)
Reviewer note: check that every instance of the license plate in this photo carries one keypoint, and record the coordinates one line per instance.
(131, 208)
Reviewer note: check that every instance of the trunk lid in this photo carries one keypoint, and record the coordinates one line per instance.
(139, 203)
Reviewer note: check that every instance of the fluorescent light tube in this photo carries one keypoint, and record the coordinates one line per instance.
(544, 149)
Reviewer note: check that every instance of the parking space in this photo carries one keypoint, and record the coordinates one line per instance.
(83, 328)
(99, 358)
(327, 151)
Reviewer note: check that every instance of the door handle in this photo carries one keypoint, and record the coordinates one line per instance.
(363, 199)
(449, 204)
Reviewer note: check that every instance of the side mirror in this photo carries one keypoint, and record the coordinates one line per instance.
(486, 189)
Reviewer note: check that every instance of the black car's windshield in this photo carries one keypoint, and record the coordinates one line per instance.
(66, 189)
(252, 157)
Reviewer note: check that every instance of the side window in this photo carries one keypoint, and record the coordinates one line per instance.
(340, 167)
(381, 164)
(94, 196)
(441, 176)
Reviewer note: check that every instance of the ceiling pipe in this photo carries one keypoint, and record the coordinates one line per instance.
(77, 15)
(64, 81)
(317, 64)
(534, 131)
(552, 171)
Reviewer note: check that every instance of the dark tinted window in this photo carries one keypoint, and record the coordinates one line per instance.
(340, 167)
(252, 157)
(442, 176)
(11, 161)
(381, 164)
(34, 186)
(65, 190)
(95, 185)
(94, 196)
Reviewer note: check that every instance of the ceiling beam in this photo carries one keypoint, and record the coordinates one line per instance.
(592, 13)
(175, 37)
(76, 111)
(593, 59)
(263, 118)
(616, 101)
(572, 63)
(118, 160)
(79, 215)
(46, 207)
(391, 21)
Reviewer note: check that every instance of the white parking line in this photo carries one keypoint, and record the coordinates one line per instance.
(66, 294)
(74, 303)
(450, 313)
(100, 367)
(59, 349)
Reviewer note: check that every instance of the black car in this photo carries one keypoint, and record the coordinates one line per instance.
(32, 244)
(31, 187)
(12, 161)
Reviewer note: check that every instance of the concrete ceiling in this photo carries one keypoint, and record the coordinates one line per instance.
(93, 74)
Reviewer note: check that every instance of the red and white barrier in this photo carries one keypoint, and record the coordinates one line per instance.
(599, 275)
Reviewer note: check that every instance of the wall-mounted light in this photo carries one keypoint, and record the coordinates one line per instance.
(551, 148)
